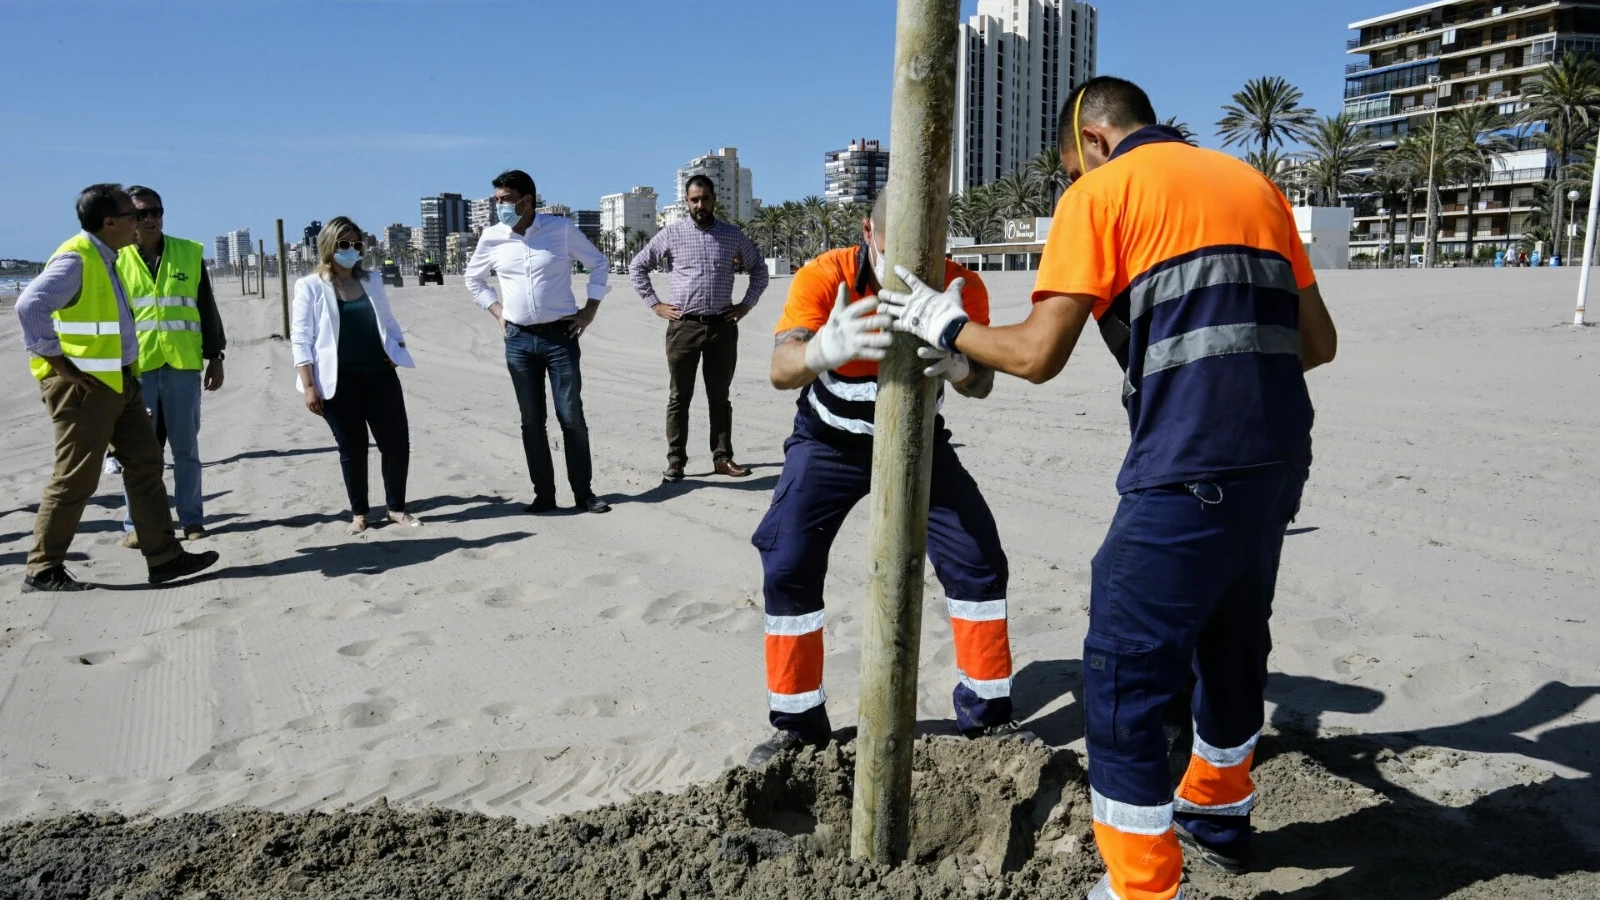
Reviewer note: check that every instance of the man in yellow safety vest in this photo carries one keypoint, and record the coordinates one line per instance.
(179, 330)
(77, 324)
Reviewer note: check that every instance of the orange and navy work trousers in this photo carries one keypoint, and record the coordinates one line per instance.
(820, 484)
(1183, 583)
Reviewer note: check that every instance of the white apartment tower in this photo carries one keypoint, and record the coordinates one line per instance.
(732, 182)
(634, 210)
(1016, 62)
(239, 247)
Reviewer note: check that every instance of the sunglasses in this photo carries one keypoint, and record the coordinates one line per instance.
(147, 214)
(358, 246)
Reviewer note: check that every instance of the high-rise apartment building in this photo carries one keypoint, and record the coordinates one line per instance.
(855, 174)
(731, 181)
(1441, 57)
(1016, 63)
(480, 213)
(634, 210)
(588, 222)
(442, 215)
(396, 236)
(221, 249)
(240, 249)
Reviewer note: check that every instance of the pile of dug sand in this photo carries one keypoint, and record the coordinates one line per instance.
(991, 820)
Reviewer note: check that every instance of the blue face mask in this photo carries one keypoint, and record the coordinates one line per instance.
(347, 258)
(506, 213)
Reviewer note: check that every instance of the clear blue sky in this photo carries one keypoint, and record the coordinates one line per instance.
(242, 112)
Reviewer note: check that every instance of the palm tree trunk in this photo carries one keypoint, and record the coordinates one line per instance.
(1411, 222)
(1470, 182)
(1393, 215)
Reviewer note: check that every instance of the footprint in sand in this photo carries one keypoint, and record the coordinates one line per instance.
(380, 710)
(691, 610)
(605, 580)
(136, 657)
(508, 597)
(379, 648)
(22, 636)
(600, 706)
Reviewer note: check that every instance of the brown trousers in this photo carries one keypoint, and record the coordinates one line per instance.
(88, 423)
(691, 342)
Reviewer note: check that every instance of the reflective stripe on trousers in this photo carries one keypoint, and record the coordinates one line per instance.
(794, 662)
(983, 647)
(1218, 781)
(1143, 858)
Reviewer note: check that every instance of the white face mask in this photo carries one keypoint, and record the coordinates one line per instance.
(880, 263)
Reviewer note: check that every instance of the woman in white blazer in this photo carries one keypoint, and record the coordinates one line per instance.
(347, 346)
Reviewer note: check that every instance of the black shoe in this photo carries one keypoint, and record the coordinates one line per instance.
(53, 580)
(780, 741)
(182, 566)
(541, 505)
(1233, 865)
(673, 473)
(1005, 731)
(594, 504)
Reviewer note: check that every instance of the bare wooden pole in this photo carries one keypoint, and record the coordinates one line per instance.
(261, 267)
(283, 279)
(920, 133)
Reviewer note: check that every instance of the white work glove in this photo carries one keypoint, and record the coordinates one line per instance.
(853, 332)
(952, 367)
(924, 311)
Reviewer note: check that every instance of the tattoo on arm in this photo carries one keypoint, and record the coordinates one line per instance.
(793, 334)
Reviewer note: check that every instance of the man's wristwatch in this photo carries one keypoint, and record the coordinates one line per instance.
(947, 340)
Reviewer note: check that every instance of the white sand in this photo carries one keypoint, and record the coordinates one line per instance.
(527, 666)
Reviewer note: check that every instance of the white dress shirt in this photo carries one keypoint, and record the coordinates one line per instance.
(535, 270)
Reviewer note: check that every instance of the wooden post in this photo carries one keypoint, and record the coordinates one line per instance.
(918, 213)
(283, 279)
(261, 267)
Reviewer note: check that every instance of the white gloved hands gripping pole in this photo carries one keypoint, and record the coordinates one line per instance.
(930, 315)
(854, 331)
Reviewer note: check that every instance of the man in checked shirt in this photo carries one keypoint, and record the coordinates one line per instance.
(702, 319)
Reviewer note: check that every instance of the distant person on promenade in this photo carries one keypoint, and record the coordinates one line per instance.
(702, 319)
(180, 331)
(829, 342)
(77, 324)
(541, 322)
(347, 346)
(1190, 262)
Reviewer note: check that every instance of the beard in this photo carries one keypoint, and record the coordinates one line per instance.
(703, 218)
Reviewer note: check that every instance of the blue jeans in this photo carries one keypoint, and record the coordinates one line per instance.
(172, 397)
(530, 353)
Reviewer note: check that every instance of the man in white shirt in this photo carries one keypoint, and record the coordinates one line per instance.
(541, 322)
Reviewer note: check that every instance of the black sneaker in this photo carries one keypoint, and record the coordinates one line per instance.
(1005, 731)
(780, 741)
(53, 580)
(541, 505)
(1233, 865)
(182, 566)
(594, 504)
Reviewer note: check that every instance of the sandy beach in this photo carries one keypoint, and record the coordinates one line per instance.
(1435, 627)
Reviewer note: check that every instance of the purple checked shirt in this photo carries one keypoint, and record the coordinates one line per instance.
(702, 267)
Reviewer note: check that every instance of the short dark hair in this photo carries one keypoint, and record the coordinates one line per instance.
(700, 180)
(137, 192)
(1106, 101)
(516, 180)
(96, 203)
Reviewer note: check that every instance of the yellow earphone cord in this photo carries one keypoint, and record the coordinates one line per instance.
(1077, 129)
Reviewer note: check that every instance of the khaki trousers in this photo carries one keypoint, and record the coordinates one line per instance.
(88, 424)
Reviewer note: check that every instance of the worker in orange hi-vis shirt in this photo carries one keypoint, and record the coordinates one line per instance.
(829, 340)
(1192, 265)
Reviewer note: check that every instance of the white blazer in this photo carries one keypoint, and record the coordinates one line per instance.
(314, 330)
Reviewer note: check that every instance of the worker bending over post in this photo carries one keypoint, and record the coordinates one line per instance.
(1191, 263)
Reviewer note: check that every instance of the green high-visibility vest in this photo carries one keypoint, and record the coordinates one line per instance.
(166, 309)
(90, 329)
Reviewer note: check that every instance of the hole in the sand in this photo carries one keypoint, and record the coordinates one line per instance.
(793, 822)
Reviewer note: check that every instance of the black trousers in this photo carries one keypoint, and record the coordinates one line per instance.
(373, 401)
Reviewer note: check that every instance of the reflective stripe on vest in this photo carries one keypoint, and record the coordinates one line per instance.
(90, 330)
(165, 303)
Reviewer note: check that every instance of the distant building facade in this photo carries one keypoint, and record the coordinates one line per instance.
(480, 213)
(634, 210)
(855, 174)
(1017, 61)
(442, 215)
(240, 248)
(588, 222)
(732, 182)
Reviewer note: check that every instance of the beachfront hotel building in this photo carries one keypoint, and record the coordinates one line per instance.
(443, 215)
(731, 181)
(1440, 57)
(240, 249)
(221, 254)
(855, 174)
(634, 210)
(1016, 63)
(480, 213)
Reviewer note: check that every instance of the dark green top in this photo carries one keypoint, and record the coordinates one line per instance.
(360, 347)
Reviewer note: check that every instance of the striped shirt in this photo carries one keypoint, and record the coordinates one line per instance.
(56, 288)
(702, 267)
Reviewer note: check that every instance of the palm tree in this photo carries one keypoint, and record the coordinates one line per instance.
(1018, 197)
(1045, 170)
(1337, 147)
(1273, 164)
(1266, 113)
(1410, 161)
(1392, 179)
(1182, 128)
(818, 216)
(1474, 136)
(1566, 98)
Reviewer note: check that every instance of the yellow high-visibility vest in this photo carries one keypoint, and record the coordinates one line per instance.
(90, 329)
(166, 310)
